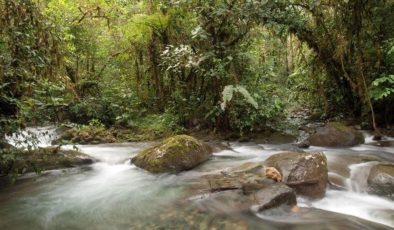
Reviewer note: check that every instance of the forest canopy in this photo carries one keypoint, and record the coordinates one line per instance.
(237, 65)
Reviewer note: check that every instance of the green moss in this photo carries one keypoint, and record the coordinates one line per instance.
(173, 154)
(52, 158)
(340, 126)
(43, 159)
(93, 134)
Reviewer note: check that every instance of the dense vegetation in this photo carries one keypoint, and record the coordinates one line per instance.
(235, 65)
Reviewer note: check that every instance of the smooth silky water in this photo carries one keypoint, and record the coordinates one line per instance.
(114, 194)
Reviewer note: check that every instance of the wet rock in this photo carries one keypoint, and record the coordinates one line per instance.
(305, 172)
(223, 182)
(381, 180)
(289, 148)
(248, 167)
(257, 197)
(218, 146)
(340, 163)
(377, 137)
(335, 134)
(336, 181)
(303, 145)
(383, 143)
(50, 158)
(173, 155)
(243, 188)
(274, 137)
(273, 196)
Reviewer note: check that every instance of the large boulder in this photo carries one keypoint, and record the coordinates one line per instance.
(335, 134)
(173, 155)
(305, 172)
(381, 180)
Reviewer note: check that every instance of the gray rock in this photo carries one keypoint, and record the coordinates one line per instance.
(381, 180)
(335, 134)
(273, 196)
(305, 172)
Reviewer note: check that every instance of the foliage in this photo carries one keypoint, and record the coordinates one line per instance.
(162, 66)
(229, 91)
(382, 87)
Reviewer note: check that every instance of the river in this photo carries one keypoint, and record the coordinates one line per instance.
(114, 194)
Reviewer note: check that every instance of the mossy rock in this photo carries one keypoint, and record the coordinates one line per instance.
(43, 159)
(175, 154)
(53, 158)
(335, 134)
(86, 135)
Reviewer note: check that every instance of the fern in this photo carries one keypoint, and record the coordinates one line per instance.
(229, 91)
(227, 95)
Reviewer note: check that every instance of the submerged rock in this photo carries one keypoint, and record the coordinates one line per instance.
(305, 172)
(335, 134)
(383, 143)
(173, 155)
(381, 180)
(336, 181)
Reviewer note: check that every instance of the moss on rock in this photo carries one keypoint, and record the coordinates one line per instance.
(174, 154)
(336, 134)
(85, 135)
(41, 159)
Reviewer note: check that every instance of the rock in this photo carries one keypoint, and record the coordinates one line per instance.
(273, 196)
(289, 148)
(248, 167)
(222, 182)
(381, 180)
(305, 172)
(303, 145)
(383, 143)
(50, 158)
(85, 135)
(274, 137)
(335, 134)
(173, 155)
(258, 196)
(339, 164)
(244, 187)
(336, 181)
(377, 137)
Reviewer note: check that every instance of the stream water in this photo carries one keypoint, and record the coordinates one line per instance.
(113, 194)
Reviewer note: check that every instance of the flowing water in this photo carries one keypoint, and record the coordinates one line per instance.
(114, 194)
